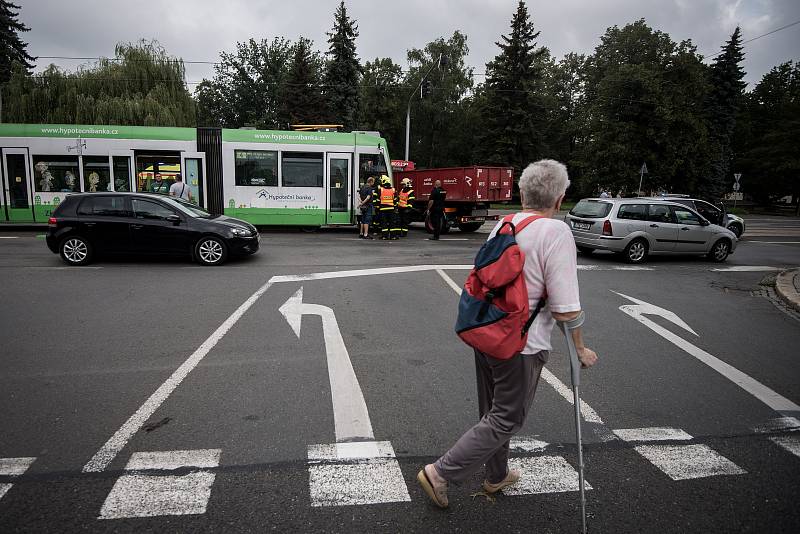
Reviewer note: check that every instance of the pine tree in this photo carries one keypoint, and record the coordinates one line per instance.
(514, 108)
(725, 99)
(12, 49)
(343, 70)
(302, 96)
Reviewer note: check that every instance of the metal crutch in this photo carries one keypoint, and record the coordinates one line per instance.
(575, 372)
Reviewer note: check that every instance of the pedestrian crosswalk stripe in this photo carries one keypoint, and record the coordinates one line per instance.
(651, 434)
(790, 443)
(355, 473)
(525, 444)
(543, 474)
(143, 494)
(13, 467)
(778, 424)
(682, 462)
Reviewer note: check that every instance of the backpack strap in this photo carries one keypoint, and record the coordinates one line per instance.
(536, 310)
(516, 228)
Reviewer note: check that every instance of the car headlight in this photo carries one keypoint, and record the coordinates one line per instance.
(240, 232)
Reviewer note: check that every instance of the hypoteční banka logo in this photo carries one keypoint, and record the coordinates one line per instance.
(286, 197)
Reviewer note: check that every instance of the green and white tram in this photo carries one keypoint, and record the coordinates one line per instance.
(264, 177)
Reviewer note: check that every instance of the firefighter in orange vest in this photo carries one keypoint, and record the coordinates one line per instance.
(387, 207)
(405, 199)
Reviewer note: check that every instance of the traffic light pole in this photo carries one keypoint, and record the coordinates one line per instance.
(411, 96)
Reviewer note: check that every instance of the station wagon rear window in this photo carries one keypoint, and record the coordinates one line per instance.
(591, 208)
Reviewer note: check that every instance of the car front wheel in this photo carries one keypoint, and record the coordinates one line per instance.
(636, 251)
(210, 250)
(720, 250)
(75, 250)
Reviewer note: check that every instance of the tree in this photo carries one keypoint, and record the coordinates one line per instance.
(343, 70)
(302, 99)
(513, 116)
(644, 96)
(142, 85)
(382, 102)
(564, 101)
(768, 129)
(248, 86)
(438, 138)
(12, 49)
(724, 101)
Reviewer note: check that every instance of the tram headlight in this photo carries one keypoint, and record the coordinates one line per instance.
(241, 232)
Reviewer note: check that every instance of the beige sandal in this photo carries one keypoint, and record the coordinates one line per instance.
(438, 497)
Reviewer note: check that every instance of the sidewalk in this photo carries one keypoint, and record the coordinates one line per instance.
(787, 286)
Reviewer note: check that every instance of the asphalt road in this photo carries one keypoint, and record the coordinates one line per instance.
(104, 364)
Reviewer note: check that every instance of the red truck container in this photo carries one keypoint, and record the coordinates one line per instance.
(469, 192)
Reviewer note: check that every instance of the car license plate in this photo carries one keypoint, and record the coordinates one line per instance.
(580, 225)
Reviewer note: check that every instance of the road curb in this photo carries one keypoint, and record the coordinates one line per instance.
(786, 288)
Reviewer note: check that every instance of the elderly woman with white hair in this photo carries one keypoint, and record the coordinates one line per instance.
(506, 387)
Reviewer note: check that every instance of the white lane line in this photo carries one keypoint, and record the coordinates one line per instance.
(779, 424)
(115, 443)
(450, 281)
(746, 269)
(140, 494)
(363, 272)
(9, 237)
(561, 388)
(651, 434)
(13, 467)
(774, 242)
(790, 443)
(356, 473)
(682, 462)
(588, 413)
(543, 474)
(585, 267)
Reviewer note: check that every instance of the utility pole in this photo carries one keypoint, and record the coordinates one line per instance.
(642, 172)
(441, 61)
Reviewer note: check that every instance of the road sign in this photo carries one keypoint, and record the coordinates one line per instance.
(736, 176)
(736, 186)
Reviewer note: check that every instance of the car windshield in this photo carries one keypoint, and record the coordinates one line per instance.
(188, 208)
(591, 208)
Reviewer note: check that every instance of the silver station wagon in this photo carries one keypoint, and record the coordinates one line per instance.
(637, 227)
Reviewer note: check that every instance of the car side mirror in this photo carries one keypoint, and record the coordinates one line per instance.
(704, 222)
(174, 219)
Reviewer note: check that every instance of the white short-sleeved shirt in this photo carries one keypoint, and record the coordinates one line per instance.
(551, 263)
(180, 190)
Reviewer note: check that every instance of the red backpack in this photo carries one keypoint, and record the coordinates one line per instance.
(493, 313)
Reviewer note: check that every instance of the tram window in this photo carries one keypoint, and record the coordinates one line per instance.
(370, 165)
(256, 167)
(302, 169)
(122, 173)
(96, 174)
(56, 173)
(103, 206)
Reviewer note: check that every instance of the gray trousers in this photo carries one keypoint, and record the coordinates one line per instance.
(505, 393)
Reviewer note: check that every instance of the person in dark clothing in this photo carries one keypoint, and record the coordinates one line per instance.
(436, 208)
(365, 203)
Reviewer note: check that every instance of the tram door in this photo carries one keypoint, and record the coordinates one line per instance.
(16, 190)
(193, 165)
(339, 171)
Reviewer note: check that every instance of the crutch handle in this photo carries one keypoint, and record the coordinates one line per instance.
(574, 363)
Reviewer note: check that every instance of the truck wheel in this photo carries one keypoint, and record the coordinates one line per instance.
(469, 227)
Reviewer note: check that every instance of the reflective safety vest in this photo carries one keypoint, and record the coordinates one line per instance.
(403, 199)
(387, 197)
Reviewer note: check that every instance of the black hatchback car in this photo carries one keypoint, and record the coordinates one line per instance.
(89, 224)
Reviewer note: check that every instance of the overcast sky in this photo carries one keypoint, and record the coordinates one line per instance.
(197, 30)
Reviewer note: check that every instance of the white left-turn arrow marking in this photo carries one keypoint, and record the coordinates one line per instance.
(350, 415)
(766, 395)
